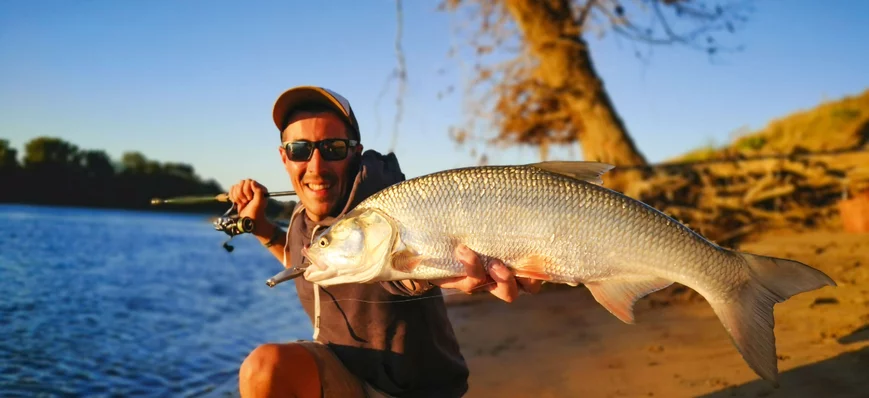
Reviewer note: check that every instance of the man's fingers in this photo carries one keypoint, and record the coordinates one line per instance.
(258, 189)
(235, 196)
(473, 265)
(500, 281)
(505, 288)
(247, 190)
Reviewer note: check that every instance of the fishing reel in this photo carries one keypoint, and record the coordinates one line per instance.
(233, 225)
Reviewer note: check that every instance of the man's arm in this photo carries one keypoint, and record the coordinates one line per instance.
(273, 237)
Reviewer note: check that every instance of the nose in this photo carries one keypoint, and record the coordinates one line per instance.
(314, 162)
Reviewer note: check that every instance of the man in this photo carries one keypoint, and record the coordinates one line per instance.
(370, 340)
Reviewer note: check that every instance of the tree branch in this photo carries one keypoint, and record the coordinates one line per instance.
(585, 12)
(401, 74)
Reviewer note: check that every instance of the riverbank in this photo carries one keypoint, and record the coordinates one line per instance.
(561, 343)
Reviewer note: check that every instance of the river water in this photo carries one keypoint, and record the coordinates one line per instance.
(126, 303)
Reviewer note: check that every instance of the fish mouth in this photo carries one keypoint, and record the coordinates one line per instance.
(316, 274)
(315, 271)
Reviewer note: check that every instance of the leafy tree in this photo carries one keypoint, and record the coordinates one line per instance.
(58, 172)
(8, 157)
(97, 164)
(50, 152)
(544, 88)
(133, 162)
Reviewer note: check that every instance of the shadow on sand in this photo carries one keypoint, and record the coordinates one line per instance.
(861, 334)
(845, 375)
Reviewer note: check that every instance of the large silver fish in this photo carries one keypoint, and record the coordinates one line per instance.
(554, 221)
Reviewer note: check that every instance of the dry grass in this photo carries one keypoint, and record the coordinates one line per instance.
(841, 124)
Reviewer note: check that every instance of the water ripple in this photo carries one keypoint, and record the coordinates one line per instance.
(120, 303)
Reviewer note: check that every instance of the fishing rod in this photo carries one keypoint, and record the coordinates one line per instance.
(224, 197)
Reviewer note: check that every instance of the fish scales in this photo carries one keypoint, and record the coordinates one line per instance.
(509, 212)
(552, 221)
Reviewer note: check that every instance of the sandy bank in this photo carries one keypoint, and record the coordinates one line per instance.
(561, 343)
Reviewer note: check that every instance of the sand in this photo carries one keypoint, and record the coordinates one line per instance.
(561, 343)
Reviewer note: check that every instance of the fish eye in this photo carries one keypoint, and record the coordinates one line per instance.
(323, 242)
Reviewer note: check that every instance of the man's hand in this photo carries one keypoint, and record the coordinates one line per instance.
(500, 282)
(250, 200)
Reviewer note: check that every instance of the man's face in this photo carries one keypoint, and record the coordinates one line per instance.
(319, 183)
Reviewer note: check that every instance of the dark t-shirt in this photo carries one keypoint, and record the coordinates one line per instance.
(398, 340)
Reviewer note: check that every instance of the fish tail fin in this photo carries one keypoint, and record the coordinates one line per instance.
(748, 316)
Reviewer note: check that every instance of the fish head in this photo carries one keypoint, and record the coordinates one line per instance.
(355, 249)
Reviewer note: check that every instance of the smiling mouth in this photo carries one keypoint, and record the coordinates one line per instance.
(318, 186)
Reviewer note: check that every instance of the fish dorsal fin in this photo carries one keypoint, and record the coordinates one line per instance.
(580, 170)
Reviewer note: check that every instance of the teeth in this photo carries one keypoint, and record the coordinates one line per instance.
(318, 187)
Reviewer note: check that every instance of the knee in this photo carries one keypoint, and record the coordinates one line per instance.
(275, 369)
(260, 365)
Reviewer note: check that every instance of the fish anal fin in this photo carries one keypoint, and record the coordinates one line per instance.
(533, 266)
(407, 260)
(580, 170)
(618, 296)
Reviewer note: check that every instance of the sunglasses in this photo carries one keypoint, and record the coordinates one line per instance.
(330, 149)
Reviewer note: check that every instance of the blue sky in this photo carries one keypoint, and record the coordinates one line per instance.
(194, 81)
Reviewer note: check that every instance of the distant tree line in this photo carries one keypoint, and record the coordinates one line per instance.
(53, 171)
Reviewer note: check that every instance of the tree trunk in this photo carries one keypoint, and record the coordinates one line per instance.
(555, 39)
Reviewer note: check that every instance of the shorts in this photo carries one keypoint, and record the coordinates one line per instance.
(335, 379)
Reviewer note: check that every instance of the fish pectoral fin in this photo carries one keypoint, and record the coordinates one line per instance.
(532, 266)
(618, 296)
(407, 260)
(580, 170)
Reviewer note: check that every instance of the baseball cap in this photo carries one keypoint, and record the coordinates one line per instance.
(304, 95)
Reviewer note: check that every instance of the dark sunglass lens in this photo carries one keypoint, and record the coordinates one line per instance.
(334, 150)
(299, 151)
